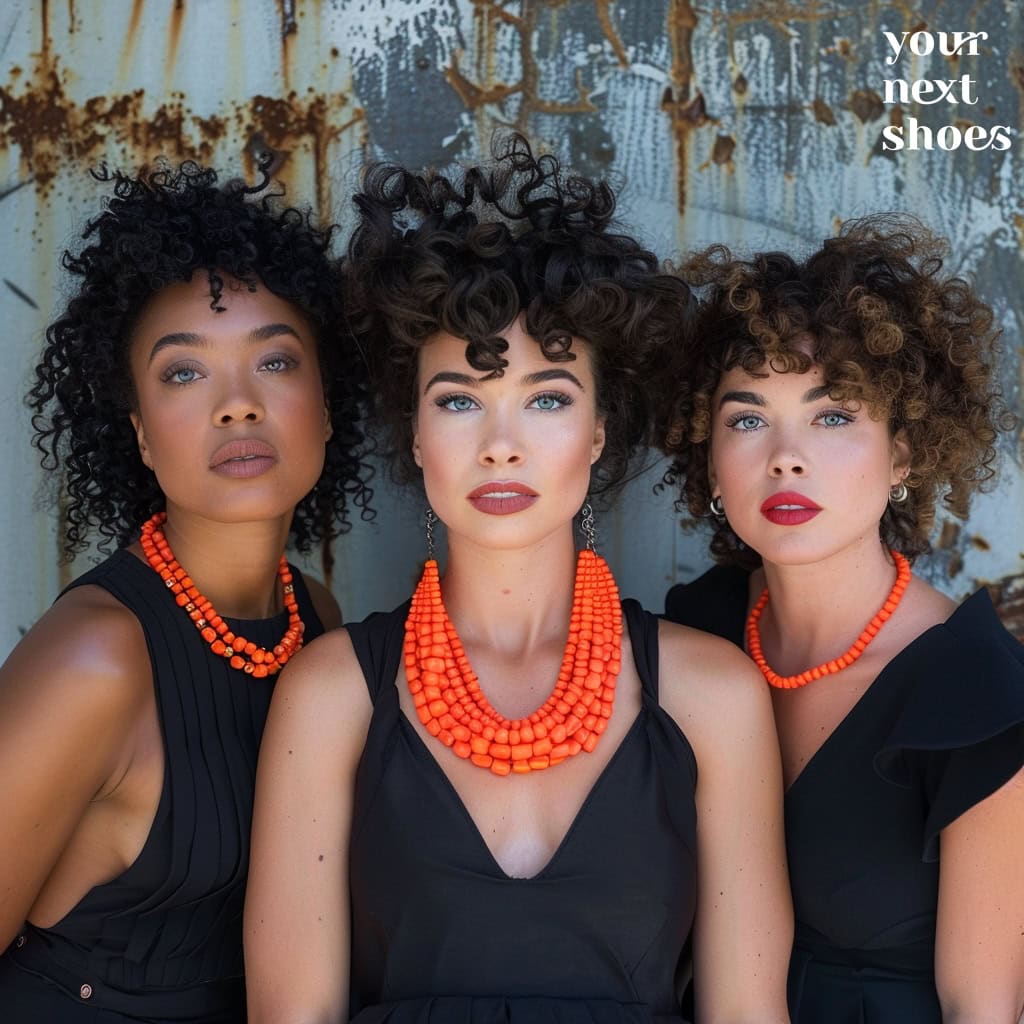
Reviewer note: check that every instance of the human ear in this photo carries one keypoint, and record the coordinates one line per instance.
(901, 457)
(140, 437)
(597, 445)
(417, 456)
(328, 426)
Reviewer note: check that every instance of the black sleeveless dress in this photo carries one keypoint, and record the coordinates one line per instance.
(940, 729)
(440, 935)
(163, 941)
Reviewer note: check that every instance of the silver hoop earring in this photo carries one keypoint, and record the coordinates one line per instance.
(717, 507)
(429, 519)
(587, 525)
(898, 493)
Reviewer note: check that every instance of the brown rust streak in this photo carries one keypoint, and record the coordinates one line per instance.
(177, 16)
(477, 95)
(1008, 597)
(685, 113)
(604, 18)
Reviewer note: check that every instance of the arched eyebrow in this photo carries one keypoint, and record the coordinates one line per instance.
(753, 398)
(191, 340)
(464, 380)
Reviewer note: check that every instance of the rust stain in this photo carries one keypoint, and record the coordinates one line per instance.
(1018, 223)
(980, 543)
(721, 152)
(604, 19)
(177, 16)
(866, 104)
(823, 112)
(685, 113)
(130, 39)
(50, 129)
(72, 22)
(741, 85)
(1008, 597)
(490, 15)
(955, 564)
(44, 15)
(949, 535)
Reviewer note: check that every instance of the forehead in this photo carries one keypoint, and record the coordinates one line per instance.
(765, 378)
(185, 307)
(524, 355)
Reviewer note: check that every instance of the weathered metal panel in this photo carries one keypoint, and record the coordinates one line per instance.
(745, 121)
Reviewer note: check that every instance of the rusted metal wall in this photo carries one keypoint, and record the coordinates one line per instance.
(753, 122)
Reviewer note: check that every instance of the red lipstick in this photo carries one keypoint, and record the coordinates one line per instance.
(245, 457)
(789, 508)
(502, 497)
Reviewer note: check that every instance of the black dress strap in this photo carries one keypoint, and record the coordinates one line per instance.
(643, 637)
(377, 641)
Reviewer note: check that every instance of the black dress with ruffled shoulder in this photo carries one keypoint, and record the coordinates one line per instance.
(162, 942)
(939, 729)
(441, 935)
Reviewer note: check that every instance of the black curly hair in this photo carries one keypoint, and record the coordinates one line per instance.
(467, 255)
(160, 227)
(889, 326)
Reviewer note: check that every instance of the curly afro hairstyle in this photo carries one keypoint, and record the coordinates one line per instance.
(158, 228)
(468, 255)
(887, 326)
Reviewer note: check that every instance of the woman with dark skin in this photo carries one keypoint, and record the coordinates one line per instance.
(821, 411)
(413, 865)
(197, 382)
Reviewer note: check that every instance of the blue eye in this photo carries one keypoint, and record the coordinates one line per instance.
(833, 418)
(550, 401)
(456, 403)
(277, 364)
(180, 374)
(745, 421)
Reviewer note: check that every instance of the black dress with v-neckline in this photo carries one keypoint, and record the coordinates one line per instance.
(440, 934)
(939, 729)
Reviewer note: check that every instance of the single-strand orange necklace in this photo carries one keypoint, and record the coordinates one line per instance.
(241, 653)
(451, 706)
(844, 660)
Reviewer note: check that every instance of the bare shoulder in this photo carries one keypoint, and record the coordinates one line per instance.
(324, 603)
(323, 686)
(89, 650)
(710, 687)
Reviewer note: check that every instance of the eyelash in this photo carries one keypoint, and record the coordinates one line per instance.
(167, 377)
(444, 401)
(739, 417)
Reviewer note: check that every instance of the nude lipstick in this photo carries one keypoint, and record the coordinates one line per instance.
(502, 497)
(788, 508)
(243, 458)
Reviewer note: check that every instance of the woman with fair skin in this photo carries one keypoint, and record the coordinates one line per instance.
(181, 396)
(413, 860)
(830, 403)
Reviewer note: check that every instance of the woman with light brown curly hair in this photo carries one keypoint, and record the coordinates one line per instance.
(822, 410)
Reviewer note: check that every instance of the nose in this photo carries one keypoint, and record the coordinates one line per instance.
(786, 460)
(239, 403)
(500, 445)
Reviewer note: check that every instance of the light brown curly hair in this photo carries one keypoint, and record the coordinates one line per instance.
(887, 327)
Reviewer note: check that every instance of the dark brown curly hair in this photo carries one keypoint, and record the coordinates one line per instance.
(467, 255)
(888, 327)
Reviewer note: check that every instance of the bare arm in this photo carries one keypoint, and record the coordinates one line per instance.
(70, 695)
(743, 933)
(297, 902)
(979, 941)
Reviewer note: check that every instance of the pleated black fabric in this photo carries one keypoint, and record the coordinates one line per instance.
(441, 935)
(940, 729)
(163, 941)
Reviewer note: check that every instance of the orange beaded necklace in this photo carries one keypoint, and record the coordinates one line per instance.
(242, 654)
(844, 660)
(447, 694)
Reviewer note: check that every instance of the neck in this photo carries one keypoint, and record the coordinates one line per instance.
(818, 609)
(234, 565)
(511, 601)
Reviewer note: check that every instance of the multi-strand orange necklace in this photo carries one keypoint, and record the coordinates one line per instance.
(241, 653)
(451, 706)
(844, 660)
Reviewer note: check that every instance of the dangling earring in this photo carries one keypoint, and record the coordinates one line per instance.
(717, 507)
(898, 493)
(429, 519)
(587, 525)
